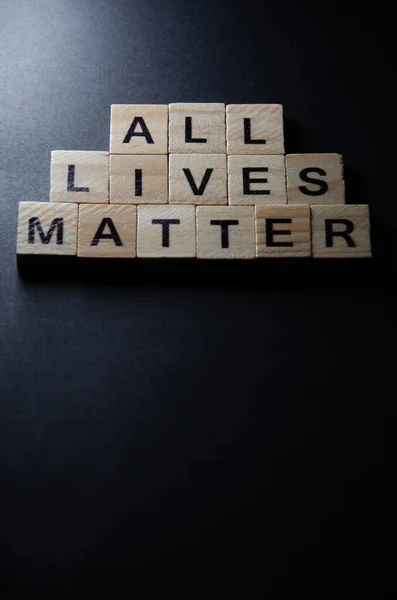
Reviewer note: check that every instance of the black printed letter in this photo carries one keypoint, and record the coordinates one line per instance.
(34, 223)
(71, 187)
(188, 133)
(323, 185)
(166, 229)
(247, 181)
(198, 191)
(113, 235)
(330, 233)
(144, 133)
(247, 134)
(224, 225)
(138, 182)
(270, 232)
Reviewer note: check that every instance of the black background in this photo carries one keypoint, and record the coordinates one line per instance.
(192, 425)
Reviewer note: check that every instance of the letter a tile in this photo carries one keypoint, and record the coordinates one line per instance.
(107, 231)
(139, 129)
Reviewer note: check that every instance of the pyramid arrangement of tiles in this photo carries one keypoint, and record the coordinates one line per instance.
(195, 180)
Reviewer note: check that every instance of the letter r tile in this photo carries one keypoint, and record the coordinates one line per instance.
(341, 231)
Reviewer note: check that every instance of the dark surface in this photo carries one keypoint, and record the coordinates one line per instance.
(185, 424)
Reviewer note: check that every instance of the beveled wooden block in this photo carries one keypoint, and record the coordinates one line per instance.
(282, 231)
(315, 179)
(197, 179)
(225, 232)
(139, 129)
(197, 128)
(138, 179)
(254, 129)
(46, 228)
(166, 231)
(107, 231)
(79, 177)
(341, 231)
(256, 180)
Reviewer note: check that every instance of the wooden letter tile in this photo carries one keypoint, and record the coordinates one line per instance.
(107, 231)
(139, 129)
(197, 179)
(79, 177)
(315, 179)
(225, 232)
(197, 128)
(341, 231)
(254, 129)
(45, 228)
(282, 231)
(166, 231)
(256, 180)
(138, 179)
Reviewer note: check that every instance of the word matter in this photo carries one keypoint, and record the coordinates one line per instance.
(196, 181)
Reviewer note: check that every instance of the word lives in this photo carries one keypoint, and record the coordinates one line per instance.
(197, 181)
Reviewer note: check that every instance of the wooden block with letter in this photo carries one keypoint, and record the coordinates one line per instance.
(197, 128)
(225, 232)
(47, 228)
(197, 179)
(254, 129)
(79, 177)
(166, 232)
(139, 129)
(256, 180)
(107, 231)
(315, 179)
(282, 231)
(138, 179)
(341, 231)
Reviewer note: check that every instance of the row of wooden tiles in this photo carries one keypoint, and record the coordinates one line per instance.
(196, 128)
(232, 232)
(213, 179)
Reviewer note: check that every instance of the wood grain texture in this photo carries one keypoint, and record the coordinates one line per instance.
(242, 175)
(355, 216)
(123, 117)
(152, 237)
(207, 122)
(328, 169)
(180, 190)
(96, 221)
(138, 179)
(266, 123)
(269, 232)
(45, 228)
(238, 240)
(90, 171)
